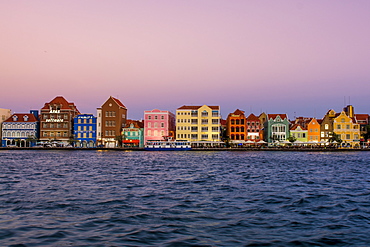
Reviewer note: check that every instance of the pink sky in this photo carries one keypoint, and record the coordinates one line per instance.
(296, 57)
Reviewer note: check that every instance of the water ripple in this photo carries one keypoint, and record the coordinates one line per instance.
(88, 198)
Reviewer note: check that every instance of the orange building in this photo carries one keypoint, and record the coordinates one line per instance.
(313, 131)
(254, 128)
(236, 126)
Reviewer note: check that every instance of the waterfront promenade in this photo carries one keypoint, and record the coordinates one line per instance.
(288, 149)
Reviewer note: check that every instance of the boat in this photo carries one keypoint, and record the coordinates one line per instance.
(177, 145)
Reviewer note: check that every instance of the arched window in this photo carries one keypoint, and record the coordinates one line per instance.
(232, 129)
(237, 121)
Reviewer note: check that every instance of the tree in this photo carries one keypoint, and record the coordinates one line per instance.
(335, 137)
(119, 139)
(292, 139)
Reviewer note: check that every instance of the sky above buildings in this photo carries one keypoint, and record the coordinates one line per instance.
(278, 56)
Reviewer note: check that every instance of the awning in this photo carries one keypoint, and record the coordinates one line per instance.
(131, 141)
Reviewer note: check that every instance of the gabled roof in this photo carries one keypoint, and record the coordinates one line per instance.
(118, 102)
(62, 102)
(236, 112)
(252, 117)
(273, 116)
(192, 107)
(296, 126)
(136, 123)
(20, 118)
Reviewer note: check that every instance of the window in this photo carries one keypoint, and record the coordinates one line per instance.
(194, 129)
(162, 125)
(204, 129)
(155, 117)
(149, 125)
(214, 121)
(204, 121)
(326, 126)
(338, 126)
(194, 121)
(214, 136)
(348, 136)
(204, 114)
(232, 121)
(214, 129)
(204, 136)
(162, 117)
(347, 126)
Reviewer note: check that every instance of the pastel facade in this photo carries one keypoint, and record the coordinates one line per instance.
(254, 128)
(4, 115)
(347, 129)
(56, 120)
(158, 125)
(236, 126)
(111, 117)
(276, 128)
(133, 134)
(198, 123)
(85, 130)
(21, 129)
(299, 132)
(313, 131)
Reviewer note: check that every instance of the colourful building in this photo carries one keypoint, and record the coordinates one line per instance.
(299, 132)
(21, 130)
(4, 115)
(347, 129)
(236, 126)
(254, 128)
(85, 130)
(326, 126)
(56, 120)
(133, 134)
(158, 125)
(313, 131)
(276, 128)
(198, 123)
(111, 116)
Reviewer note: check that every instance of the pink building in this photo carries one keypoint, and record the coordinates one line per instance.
(158, 125)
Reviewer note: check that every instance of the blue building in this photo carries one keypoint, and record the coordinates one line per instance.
(84, 130)
(21, 130)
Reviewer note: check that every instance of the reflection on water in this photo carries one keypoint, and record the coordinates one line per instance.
(93, 198)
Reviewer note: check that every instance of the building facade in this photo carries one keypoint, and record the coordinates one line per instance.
(159, 125)
(85, 131)
(4, 115)
(21, 130)
(326, 126)
(347, 129)
(299, 133)
(111, 117)
(56, 120)
(133, 133)
(198, 123)
(276, 128)
(236, 126)
(313, 131)
(254, 128)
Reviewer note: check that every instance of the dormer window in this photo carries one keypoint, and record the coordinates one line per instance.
(15, 118)
(131, 126)
(25, 118)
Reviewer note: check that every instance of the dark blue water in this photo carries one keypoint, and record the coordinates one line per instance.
(113, 198)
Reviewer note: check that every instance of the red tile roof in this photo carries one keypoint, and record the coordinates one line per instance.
(118, 102)
(31, 118)
(252, 117)
(60, 100)
(273, 116)
(136, 123)
(295, 126)
(191, 107)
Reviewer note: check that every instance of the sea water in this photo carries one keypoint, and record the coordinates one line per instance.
(138, 198)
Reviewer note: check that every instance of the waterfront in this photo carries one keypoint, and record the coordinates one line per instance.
(107, 198)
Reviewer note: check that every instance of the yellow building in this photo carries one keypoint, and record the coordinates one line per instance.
(198, 123)
(347, 129)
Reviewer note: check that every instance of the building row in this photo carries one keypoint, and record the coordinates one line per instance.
(60, 123)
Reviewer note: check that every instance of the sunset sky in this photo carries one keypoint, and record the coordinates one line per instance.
(277, 56)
